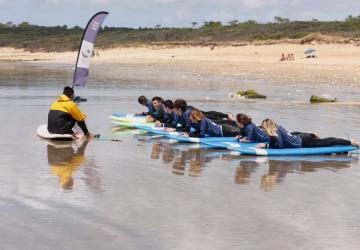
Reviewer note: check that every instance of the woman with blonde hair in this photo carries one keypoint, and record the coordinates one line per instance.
(280, 138)
(204, 126)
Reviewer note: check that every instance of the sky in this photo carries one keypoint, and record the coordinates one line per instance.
(171, 13)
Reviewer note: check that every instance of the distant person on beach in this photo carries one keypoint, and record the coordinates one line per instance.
(289, 57)
(283, 58)
(280, 138)
(147, 103)
(64, 114)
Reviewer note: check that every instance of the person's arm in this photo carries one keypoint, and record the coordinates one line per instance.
(261, 135)
(196, 135)
(76, 113)
(83, 127)
(159, 115)
(276, 142)
(183, 129)
(201, 131)
(186, 125)
(249, 132)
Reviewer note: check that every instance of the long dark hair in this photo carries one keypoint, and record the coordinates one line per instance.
(244, 119)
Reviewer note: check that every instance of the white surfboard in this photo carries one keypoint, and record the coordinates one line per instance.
(43, 132)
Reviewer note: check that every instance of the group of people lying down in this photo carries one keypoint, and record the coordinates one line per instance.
(179, 116)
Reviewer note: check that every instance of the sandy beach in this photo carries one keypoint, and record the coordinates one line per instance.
(335, 63)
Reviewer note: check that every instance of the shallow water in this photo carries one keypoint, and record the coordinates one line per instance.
(149, 193)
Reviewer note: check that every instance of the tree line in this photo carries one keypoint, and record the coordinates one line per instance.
(63, 38)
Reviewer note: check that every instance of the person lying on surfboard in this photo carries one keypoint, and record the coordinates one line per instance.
(280, 138)
(253, 133)
(204, 126)
(169, 115)
(249, 131)
(64, 114)
(147, 103)
(158, 112)
(182, 117)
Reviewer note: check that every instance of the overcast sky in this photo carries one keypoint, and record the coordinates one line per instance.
(171, 13)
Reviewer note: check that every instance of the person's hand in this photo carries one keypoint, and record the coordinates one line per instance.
(148, 118)
(158, 124)
(170, 130)
(184, 134)
(89, 136)
(244, 140)
(261, 145)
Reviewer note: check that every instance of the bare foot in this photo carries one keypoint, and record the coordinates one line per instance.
(354, 143)
(231, 116)
(316, 135)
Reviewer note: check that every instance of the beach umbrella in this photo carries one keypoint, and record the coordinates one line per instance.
(309, 50)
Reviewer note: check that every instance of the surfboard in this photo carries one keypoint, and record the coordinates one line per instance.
(177, 136)
(131, 124)
(43, 132)
(250, 149)
(120, 117)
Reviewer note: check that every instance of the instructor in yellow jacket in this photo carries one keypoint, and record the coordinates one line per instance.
(64, 114)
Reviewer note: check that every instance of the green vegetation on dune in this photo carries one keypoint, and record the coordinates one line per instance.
(62, 38)
(320, 99)
(250, 94)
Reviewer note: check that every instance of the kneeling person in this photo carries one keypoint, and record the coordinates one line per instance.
(64, 114)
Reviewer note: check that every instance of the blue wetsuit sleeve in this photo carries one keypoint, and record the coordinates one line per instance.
(249, 132)
(200, 130)
(280, 141)
(274, 142)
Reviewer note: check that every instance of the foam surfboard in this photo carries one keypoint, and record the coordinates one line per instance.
(248, 149)
(43, 132)
(154, 130)
(130, 124)
(120, 117)
(177, 136)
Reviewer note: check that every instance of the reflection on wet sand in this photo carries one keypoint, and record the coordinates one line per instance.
(278, 169)
(193, 159)
(65, 160)
(184, 158)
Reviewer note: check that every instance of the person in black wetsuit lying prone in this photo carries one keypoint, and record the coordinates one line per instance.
(204, 126)
(280, 138)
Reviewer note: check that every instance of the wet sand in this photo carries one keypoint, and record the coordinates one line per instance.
(335, 63)
(145, 193)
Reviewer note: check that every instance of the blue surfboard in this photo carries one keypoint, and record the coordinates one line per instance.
(177, 136)
(248, 149)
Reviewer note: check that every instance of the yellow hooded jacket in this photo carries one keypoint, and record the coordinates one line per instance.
(63, 115)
